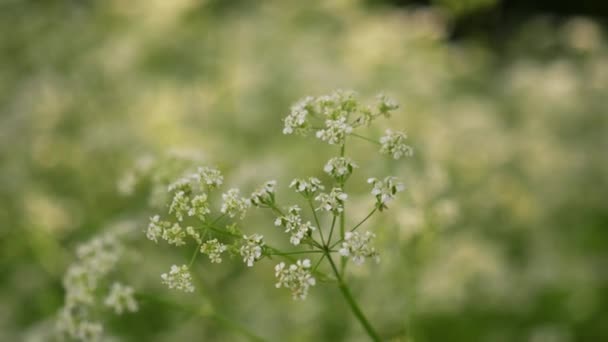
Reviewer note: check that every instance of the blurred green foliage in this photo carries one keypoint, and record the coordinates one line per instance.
(502, 236)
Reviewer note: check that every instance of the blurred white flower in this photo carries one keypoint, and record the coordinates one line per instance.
(251, 248)
(208, 178)
(334, 201)
(121, 299)
(297, 277)
(233, 204)
(385, 190)
(307, 187)
(178, 278)
(393, 143)
(335, 131)
(213, 248)
(293, 224)
(297, 120)
(340, 168)
(357, 246)
(264, 195)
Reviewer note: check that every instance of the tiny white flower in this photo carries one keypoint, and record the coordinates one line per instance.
(297, 120)
(357, 246)
(208, 178)
(251, 248)
(179, 205)
(121, 299)
(340, 168)
(292, 222)
(334, 201)
(335, 131)
(156, 227)
(199, 207)
(307, 187)
(385, 190)
(213, 248)
(175, 235)
(89, 331)
(393, 143)
(297, 277)
(233, 204)
(264, 196)
(178, 278)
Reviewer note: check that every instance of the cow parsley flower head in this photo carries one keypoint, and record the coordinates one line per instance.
(155, 228)
(251, 248)
(89, 331)
(121, 299)
(178, 278)
(393, 143)
(208, 178)
(292, 222)
(264, 196)
(179, 205)
(385, 105)
(297, 120)
(183, 184)
(213, 249)
(307, 187)
(199, 207)
(334, 201)
(358, 247)
(340, 168)
(339, 104)
(296, 277)
(335, 131)
(385, 190)
(175, 235)
(233, 204)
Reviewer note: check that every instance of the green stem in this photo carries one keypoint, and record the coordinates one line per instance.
(314, 213)
(356, 226)
(365, 138)
(352, 303)
(203, 313)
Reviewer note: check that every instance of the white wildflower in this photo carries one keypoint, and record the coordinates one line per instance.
(194, 234)
(335, 131)
(208, 178)
(340, 167)
(182, 184)
(233, 204)
(264, 196)
(297, 277)
(385, 105)
(293, 224)
(297, 120)
(89, 331)
(155, 228)
(121, 299)
(393, 143)
(213, 249)
(179, 205)
(251, 249)
(307, 187)
(175, 235)
(178, 278)
(339, 104)
(199, 207)
(334, 201)
(357, 246)
(385, 190)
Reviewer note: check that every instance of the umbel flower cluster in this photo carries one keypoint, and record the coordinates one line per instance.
(194, 217)
(89, 290)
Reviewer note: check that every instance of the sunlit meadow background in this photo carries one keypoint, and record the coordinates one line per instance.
(501, 236)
